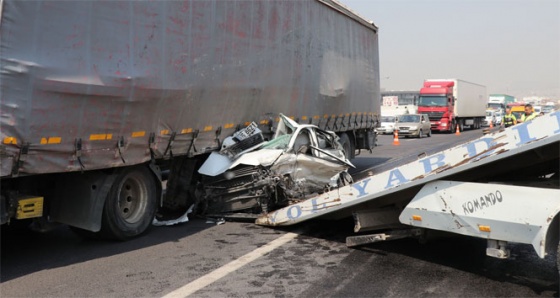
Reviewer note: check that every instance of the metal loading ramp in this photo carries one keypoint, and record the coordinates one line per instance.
(525, 150)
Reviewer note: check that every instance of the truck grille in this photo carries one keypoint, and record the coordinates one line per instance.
(435, 116)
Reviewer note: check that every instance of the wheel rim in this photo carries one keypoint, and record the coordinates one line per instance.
(133, 199)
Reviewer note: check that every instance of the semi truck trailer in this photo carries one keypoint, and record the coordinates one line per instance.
(102, 100)
(499, 101)
(452, 103)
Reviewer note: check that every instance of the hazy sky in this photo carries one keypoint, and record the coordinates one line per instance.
(510, 46)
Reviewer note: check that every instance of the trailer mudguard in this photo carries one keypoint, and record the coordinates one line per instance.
(79, 198)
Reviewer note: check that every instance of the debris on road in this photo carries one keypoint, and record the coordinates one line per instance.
(182, 219)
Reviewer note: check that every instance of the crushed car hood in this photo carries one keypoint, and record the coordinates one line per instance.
(217, 163)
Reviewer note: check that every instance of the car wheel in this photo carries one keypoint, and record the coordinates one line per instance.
(420, 134)
(130, 205)
(429, 133)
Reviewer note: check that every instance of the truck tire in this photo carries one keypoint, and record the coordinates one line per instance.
(130, 205)
(453, 127)
(346, 145)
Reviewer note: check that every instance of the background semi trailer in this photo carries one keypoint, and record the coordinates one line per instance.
(499, 101)
(100, 99)
(452, 102)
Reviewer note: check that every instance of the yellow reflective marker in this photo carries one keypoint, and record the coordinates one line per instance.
(164, 132)
(100, 137)
(229, 125)
(417, 217)
(264, 122)
(303, 117)
(10, 141)
(247, 123)
(29, 208)
(325, 116)
(186, 130)
(208, 128)
(51, 140)
(316, 117)
(484, 228)
(138, 134)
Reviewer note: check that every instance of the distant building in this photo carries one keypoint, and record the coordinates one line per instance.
(404, 97)
(399, 102)
(534, 100)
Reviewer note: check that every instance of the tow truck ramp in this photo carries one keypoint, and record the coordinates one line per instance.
(503, 186)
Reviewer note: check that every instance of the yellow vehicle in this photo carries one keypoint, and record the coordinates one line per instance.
(517, 109)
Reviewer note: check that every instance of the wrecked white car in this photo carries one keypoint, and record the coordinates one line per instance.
(250, 175)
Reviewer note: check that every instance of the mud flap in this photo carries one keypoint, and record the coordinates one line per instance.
(79, 198)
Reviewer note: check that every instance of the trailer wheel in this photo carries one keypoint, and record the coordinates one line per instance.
(346, 145)
(130, 205)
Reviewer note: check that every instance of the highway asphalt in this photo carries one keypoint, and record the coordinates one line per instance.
(240, 259)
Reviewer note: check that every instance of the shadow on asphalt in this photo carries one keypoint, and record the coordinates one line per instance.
(24, 251)
(463, 253)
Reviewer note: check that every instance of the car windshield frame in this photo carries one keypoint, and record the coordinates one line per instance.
(388, 119)
(409, 118)
(432, 101)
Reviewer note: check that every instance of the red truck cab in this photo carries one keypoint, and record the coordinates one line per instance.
(436, 100)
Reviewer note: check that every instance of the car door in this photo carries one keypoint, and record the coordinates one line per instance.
(425, 123)
(307, 164)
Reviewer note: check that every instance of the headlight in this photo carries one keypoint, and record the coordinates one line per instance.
(444, 124)
(413, 127)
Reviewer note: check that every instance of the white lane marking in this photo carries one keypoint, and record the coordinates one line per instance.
(230, 267)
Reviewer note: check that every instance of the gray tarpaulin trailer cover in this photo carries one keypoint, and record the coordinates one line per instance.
(99, 84)
(104, 98)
